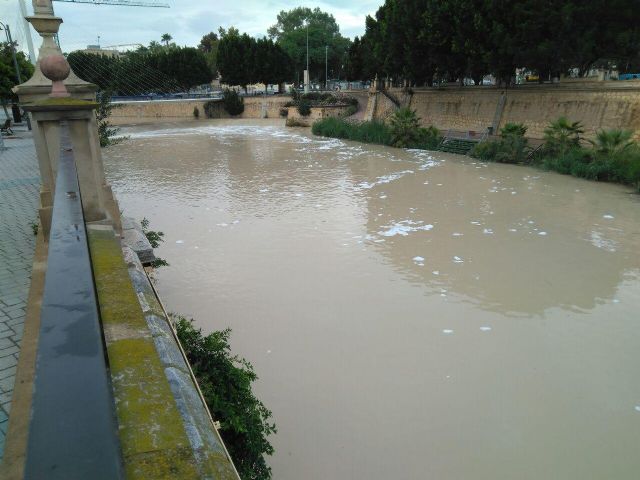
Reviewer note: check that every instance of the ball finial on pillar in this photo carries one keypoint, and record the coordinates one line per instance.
(56, 68)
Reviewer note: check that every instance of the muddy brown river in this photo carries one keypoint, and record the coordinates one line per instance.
(411, 315)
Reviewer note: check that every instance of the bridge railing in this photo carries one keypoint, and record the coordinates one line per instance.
(73, 413)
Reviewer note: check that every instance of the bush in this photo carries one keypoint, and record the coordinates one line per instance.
(304, 108)
(405, 128)
(428, 138)
(196, 113)
(561, 136)
(367, 132)
(512, 147)
(351, 109)
(211, 109)
(232, 102)
(284, 112)
(225, 381)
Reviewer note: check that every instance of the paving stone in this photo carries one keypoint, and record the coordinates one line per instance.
(19, 198)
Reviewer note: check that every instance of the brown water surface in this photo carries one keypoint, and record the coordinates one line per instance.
(411, 315)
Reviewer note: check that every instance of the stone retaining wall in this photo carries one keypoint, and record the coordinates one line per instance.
(151, 111)
(597, 105)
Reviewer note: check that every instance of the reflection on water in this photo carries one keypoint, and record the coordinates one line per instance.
(411, 315)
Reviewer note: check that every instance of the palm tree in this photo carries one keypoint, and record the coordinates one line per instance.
(562, 135)
(612, 142)
(166, 38)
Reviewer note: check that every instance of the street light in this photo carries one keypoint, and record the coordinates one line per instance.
(306, 82)
(326, 67)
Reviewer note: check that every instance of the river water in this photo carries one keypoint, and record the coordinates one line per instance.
(411, 315)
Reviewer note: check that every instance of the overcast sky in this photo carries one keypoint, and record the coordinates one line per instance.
(187, 20)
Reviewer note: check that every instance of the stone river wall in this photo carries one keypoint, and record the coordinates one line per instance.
(597, 105)
(151, 111)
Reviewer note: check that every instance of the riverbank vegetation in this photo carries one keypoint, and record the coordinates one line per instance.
(305, 101)
(611, 157)
(403, 130)
(225, 380)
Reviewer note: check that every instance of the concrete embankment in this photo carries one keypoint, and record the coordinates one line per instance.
(141, 112)
(598, 105)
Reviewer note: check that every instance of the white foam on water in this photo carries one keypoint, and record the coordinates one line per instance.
(383, 180)
(513, 230)
(457, 234)
(608, 217)
(382, 197)
(222, 224)
(637, 408)
(436, 272)
(457, 259)
(598, 240)
(264, 190)
(447, 331)
(542, 234)
(179, 241)
(485, 329)
(418, 259)
(475, 223)
(488, 231)
(403, 228)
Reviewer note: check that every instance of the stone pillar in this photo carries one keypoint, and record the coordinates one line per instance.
(46, 134)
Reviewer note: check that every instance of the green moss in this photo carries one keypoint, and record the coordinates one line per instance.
(64, 102)
(152, 435)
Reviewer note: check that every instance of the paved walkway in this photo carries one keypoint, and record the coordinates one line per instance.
(19, 187)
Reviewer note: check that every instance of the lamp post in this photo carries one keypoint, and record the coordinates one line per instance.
(306, 80)
(326, 67)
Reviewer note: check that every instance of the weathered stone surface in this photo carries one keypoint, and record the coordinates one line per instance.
(133, 237)
(604, 105)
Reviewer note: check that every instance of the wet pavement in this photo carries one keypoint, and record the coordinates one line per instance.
(19, 187)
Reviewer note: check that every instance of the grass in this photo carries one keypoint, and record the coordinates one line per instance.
(366, 132)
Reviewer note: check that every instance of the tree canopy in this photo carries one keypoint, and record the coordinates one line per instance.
(243, 60)
(290, 32)
(422, 41)
(152, 69)
(8, 77)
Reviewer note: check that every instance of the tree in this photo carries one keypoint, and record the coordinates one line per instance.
(290, 32)
(166, 38)
(236, 54)
(271, 62)
(209, 47)
(8, 75)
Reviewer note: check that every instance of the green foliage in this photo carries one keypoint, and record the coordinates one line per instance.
(304, 108)
(561, 136)
(291, 34)
(405, 128)
(612, 142)
(149, 69)
(8, 77)
(225, 381)
(232, 103)
(155, 239)
(367, 132)
(427, 41)
(512, 147)
(106, 132)
(428, 138)
(210, 108)
(196, 112)
(34, 227)
(242, 59)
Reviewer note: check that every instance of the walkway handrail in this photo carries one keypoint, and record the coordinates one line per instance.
(73, 430)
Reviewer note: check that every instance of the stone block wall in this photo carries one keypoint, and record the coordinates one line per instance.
(151, 111)
(597, 105)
